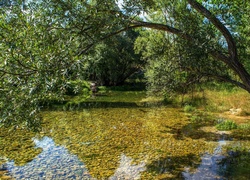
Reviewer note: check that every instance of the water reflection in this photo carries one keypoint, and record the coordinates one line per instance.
(208, 169)
(127, 170)
(113, 143)
(55, 162)
(99, 136)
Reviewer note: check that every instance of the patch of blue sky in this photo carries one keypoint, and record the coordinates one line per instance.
(228, 20)
(143, 15)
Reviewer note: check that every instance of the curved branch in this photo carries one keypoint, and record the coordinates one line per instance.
(231, 61)
(28, 73)
(161, 27)
(137, 24)
(229, 80)
(215, 21)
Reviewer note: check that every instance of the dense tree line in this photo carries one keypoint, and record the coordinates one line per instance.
(113, 61)
(45, 44)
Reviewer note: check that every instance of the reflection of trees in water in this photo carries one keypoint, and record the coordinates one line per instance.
(54, 162)
(236, 165)
(208, 167)
(99, 137)
(128, 170)
(173, 166)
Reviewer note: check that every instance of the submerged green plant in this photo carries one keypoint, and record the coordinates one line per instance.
(226, 125)
(196, 119)
(189, 108)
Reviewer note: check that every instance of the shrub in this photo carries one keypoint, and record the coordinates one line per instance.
(226, 125)
(77, 87)
(102, 89)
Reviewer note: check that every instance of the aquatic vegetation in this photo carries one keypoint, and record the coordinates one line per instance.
(119, 132)
(54, 162)
(244, 126)
(17, 145)
(189, 108)
(236, 163)
(226, 125)
(100, 136)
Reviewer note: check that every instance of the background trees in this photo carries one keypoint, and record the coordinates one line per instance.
(211, 35)
(176, 62)
(48, 43)
(112, 61)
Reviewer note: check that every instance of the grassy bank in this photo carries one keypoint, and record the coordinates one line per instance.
(221, 103)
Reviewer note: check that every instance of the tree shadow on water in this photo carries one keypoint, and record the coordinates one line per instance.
(196, 131)
(193, 131)
(172, 167)
(236, 165)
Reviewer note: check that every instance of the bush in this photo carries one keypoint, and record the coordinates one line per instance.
(226, 125)
(102, 89)
(77, 87)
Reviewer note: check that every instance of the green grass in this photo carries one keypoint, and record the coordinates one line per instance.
(226, 125)
(244, 126)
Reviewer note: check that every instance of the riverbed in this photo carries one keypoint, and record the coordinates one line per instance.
(114, 143)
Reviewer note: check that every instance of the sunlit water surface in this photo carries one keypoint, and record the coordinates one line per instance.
(113, 143)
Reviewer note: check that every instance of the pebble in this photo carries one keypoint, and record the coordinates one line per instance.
(54, 162)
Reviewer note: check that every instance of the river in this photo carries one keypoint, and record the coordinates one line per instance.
(114, 143)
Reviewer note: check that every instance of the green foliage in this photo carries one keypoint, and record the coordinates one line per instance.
(78, 87)
(196, 119)
(46, 44)
(113, 61)
(189, 108)
(102, 89)
(236, 164)
(226, 125)
(200, 118)
(244, 126)
(176, 65)
(220, 86)
(37, 60)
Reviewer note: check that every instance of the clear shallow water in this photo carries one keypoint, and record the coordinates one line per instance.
(208, 168)
(113, 143)
(54, 162)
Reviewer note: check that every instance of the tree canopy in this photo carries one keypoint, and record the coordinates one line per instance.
(112, 61)
(44, 44)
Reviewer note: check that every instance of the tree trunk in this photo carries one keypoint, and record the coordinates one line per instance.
(231, 60)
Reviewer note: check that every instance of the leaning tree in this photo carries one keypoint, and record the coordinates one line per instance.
(43, 43)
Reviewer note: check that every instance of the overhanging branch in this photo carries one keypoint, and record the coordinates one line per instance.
(227, 79)
(161, 27)
(215, 21)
